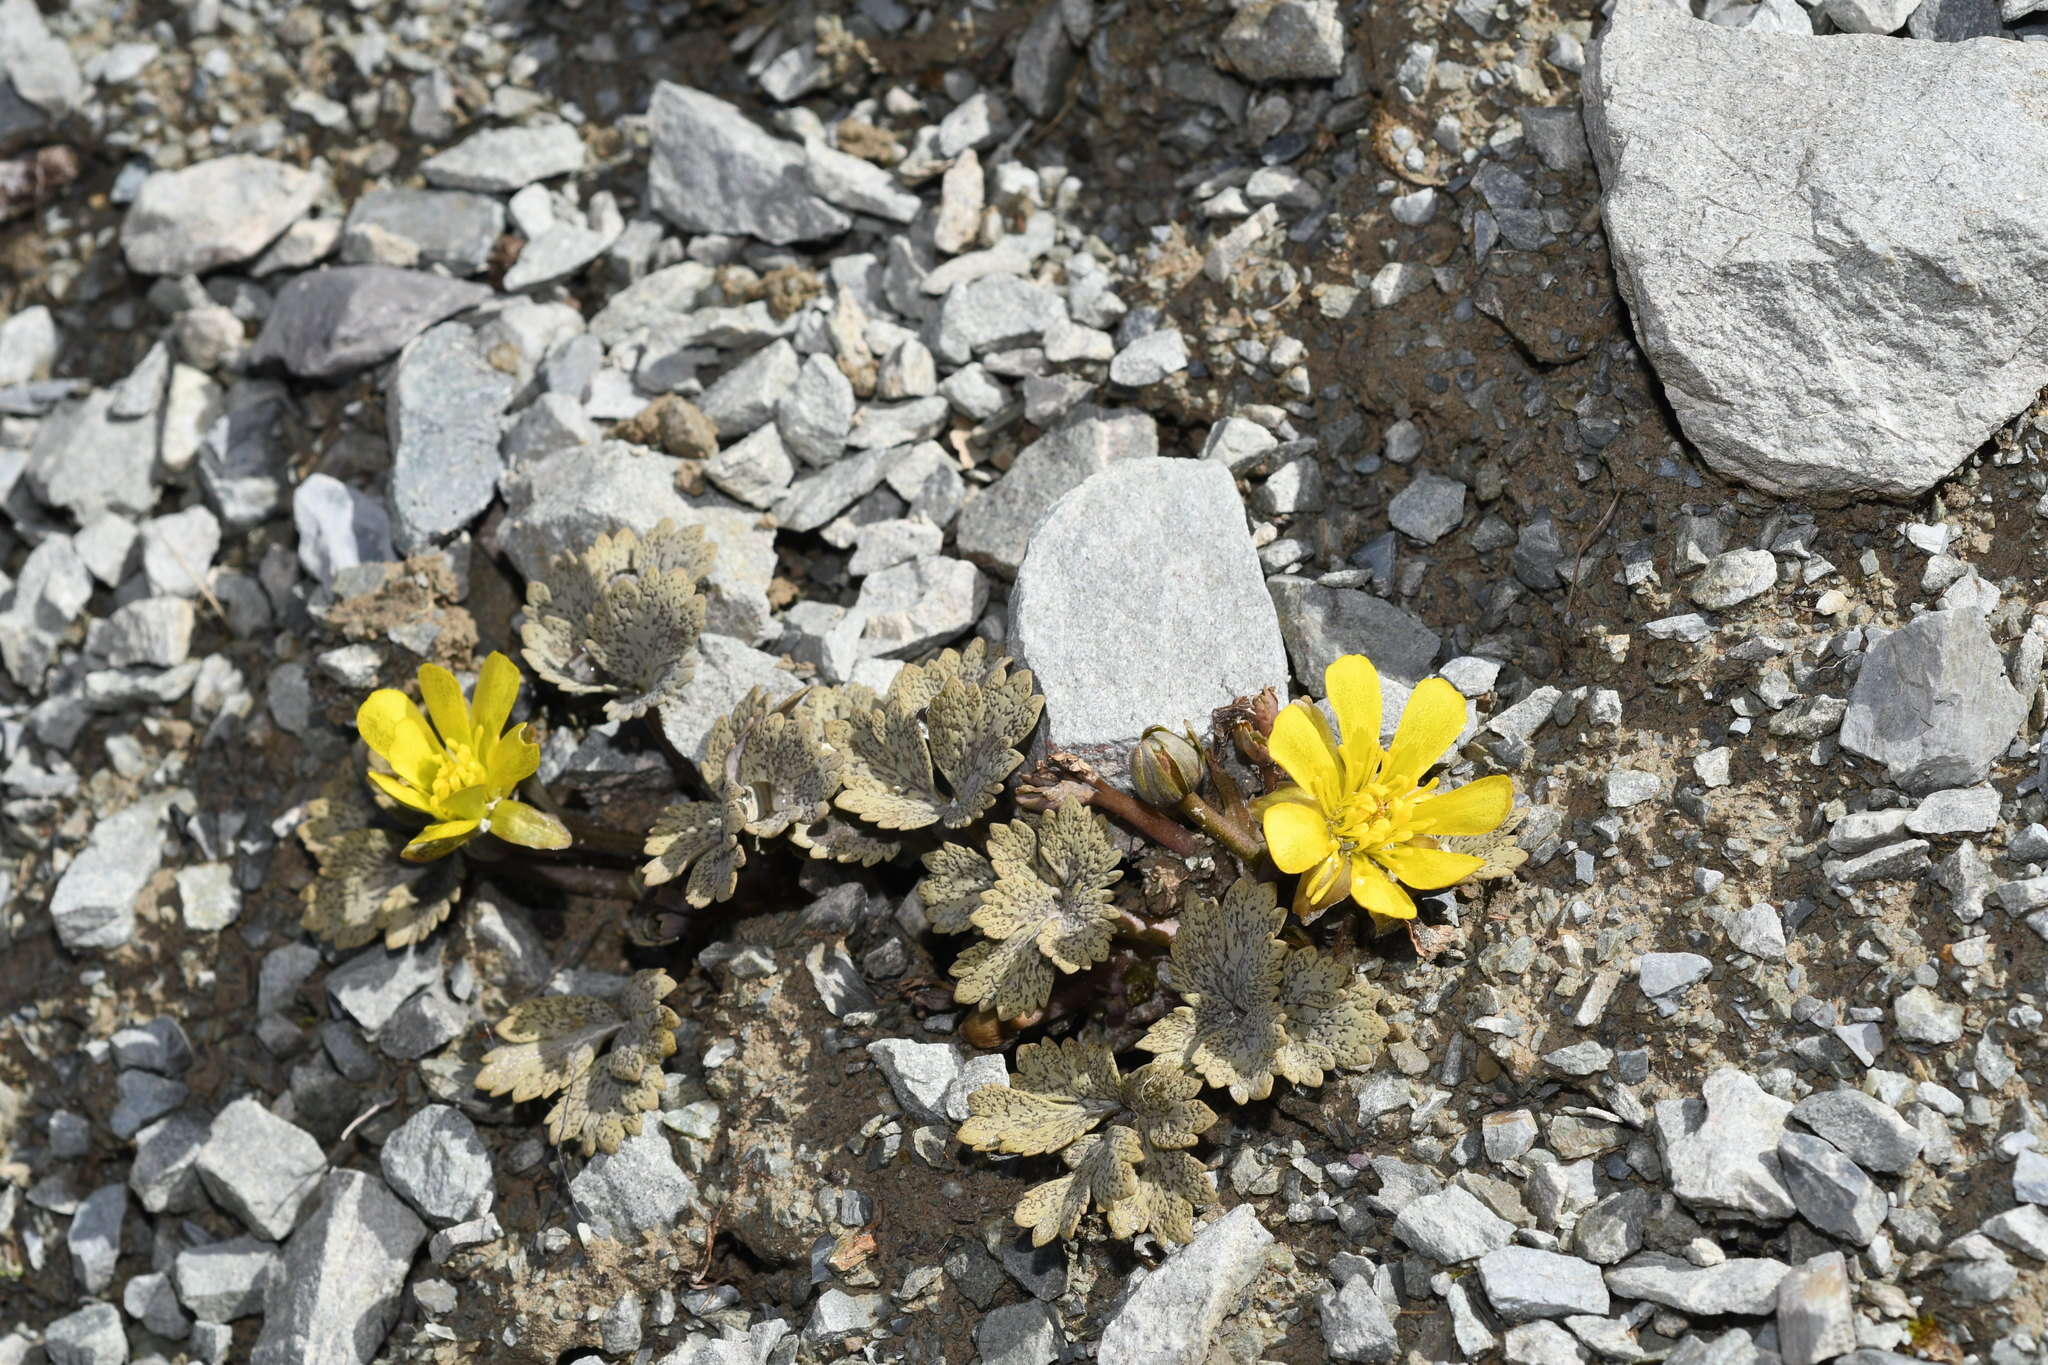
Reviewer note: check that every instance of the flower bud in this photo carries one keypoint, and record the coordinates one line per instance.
(1166, 768)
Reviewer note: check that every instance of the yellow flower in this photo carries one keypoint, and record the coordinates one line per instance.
(463, 776)
(1358, 820)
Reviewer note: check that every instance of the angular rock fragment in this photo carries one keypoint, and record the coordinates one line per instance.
(712, 169)
(336, 1292)
(1752, 220)
(1933, 704)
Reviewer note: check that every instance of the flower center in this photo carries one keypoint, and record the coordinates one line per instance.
(1369, 817)
(459, 772)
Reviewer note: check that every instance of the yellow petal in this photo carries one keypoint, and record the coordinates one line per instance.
(396, 732)
(438, 841)
(514, 758)
(1431, 723)
(1302, 744)
(1371, 888)
(1428, 869)
(1353, 686)
(518, 823)
(402, 792)
(1297, 835)
(497, 687)
(468, 804)
(1475, 808)
(1326, 884)
(443, 696)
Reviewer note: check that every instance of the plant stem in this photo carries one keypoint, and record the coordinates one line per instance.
(600, 883)
(1153, 824)
(1228, 833)
(603, 838)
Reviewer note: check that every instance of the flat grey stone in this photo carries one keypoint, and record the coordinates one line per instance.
(993, 313)
(1870, 1131)
(1019, 1334)
(329, 323)
(814, 500)
(995, 528)
(1663, 975)
(637, 1189)
(1286, 40)
(1956, 810)
(1429, 508)
(222, 1281)
(451, 228)
(94, 1238)
(1452, 1226)
(1955, 21)
(1523, 1283)
(1747, 1285)
(1320, 625)
(745, 396)
(336, 1292)
(1189, 627)
(1356, 1324)
(711, 169)
(1921, 1016)
(1735, 577)
(164, 1174)
(442, 409)
(339, 527)
(371, 986)
(1799, 254)
(144, 1098)
(153, 1301)
(155, 632)
(500, 160)
(215, 213)
(40, 84)
(1721, 1152)
(563, 501)
(85, 461)
(1612, 1230)
(1172, 1317)
(242, 460)
(1932, 702)
(1150, 359)
(262, 1169)
(852, 183)
(178, 551)
(914, 607)
(1832, 1191)
(94, 903)
(816, 412)
(439, 1165)
(1816, 1321)
(919, 1074)
(90, 1336)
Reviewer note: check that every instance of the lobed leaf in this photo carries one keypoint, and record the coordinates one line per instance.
(701, 838)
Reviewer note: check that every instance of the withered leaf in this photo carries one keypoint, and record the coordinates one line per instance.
(552, 1046)
(643, 635)
(701, 838)
(843, 841)
(363, 889)
(1049, 906)
(1257, 1009)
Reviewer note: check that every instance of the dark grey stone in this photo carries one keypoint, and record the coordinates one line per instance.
(327, 324)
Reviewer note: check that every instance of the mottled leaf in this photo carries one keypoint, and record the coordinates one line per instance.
(552, 1046)
(1049, 903)
(1256, 1008)
(1060, 1090)
(789, 776)
(1171, 1186)
(643, 635)
(843, 841)
(363, 890)
(701, 838)
(1101, 1170)
(1162, 1099)
(955, 878)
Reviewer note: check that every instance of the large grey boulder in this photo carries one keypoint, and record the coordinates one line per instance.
(1932, 702)
(39, 82)
(1140, 602)
(1170, 1318)
(216, 213)
(711, 169)
(329, 323)
(995, 527)
(1822, 324)
(336, 1293)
